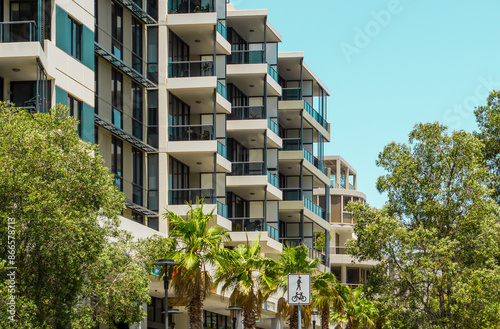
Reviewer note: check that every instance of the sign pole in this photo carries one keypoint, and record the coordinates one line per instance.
(300, 317)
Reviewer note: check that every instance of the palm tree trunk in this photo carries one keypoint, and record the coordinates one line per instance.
(195, 306)
(325, 318)
(294, 319)
(249, 319)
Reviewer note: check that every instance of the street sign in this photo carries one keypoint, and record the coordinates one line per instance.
(299, 289)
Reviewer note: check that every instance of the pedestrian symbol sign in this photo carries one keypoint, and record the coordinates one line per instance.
(299, 289)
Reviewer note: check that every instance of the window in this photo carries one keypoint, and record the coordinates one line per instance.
(76, 39)
(153, 182)
(117, 30)
(153, 223)
(137, 173)
(117, 161)
(137, 109)
(137, 40)
(136, 217)
(153, 118)
(75, 110)
(117, 97)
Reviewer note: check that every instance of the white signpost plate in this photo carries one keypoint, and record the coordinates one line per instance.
(299, 289)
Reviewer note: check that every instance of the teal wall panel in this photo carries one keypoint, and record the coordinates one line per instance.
(61, 96)
(87, 124)
(63, 38)
(88, 47)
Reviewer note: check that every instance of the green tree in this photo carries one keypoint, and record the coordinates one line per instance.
(326, 296)
(437, 237)
(196, 246)
(488, 121)
(249, 277)
(62, 208)
(294, 260)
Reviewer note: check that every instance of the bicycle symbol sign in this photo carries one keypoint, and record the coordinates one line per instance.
(299, 289)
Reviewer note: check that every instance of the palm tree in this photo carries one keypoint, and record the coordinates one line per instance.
(294, 260)
(358, 311)
(195, 246)
(246, 274)
(327, 295)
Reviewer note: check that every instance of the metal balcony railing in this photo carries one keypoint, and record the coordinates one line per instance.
(315, 114)
(191, 133)
(184, 69)
(291, 94)
(292, 194)
(315, 161)
(18, 31)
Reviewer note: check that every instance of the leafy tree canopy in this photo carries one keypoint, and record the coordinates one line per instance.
(437, 237)
(74, 267)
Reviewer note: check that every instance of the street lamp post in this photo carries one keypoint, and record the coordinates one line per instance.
(234, 309)
(166, 263)
(314, 314)
(173, 311)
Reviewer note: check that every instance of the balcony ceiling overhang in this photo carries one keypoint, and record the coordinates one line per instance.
(245, 21)
(289, 69)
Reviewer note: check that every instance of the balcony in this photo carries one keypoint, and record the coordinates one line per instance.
(247, 224)
(18, 31)
(191, 133)
(296, 194)
(315, 114)
(185, 69)
(246, 112)
(313, 253)
(246, 57)
(315, 161)
(190, 6)
(247, 168)
(221, 90)
(291, 94)
(181, 196)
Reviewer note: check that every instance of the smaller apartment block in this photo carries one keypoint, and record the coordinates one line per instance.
(343, 189)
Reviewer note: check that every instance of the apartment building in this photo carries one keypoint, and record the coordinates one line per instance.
(186, 99)
(343, 189)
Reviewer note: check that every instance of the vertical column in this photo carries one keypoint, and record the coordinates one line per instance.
(337, 174)
(347, 174)
(343, 274)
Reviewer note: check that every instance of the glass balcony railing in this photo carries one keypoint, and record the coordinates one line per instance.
(246, 112)
(221, 89)
(246, 57)
(190, 6)
(314, 207)
(291, 144)
(351, 187)
(272, 72)
(315, 115)
(190, 69)
(257, 224)
(315, 161)
(247, 168)
(334, 184)
(291, 94)
(273, 179)
(181, 196)
(292, 194)
(20, 31)
(222, 209)
(221, 149)
(222, 29)
(273, 126)
(191, 133)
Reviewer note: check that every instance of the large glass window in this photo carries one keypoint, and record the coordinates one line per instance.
(153, 54)
(117, 30)
(137, 173)
(76, 38)
(153, 118)
(75, 110)
(117, 97)
(117, 161)
(137, 40)
(137, 110)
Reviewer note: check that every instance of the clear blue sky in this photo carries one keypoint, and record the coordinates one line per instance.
(414, 61)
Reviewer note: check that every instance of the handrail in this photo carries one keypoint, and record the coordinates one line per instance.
(33, 36)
